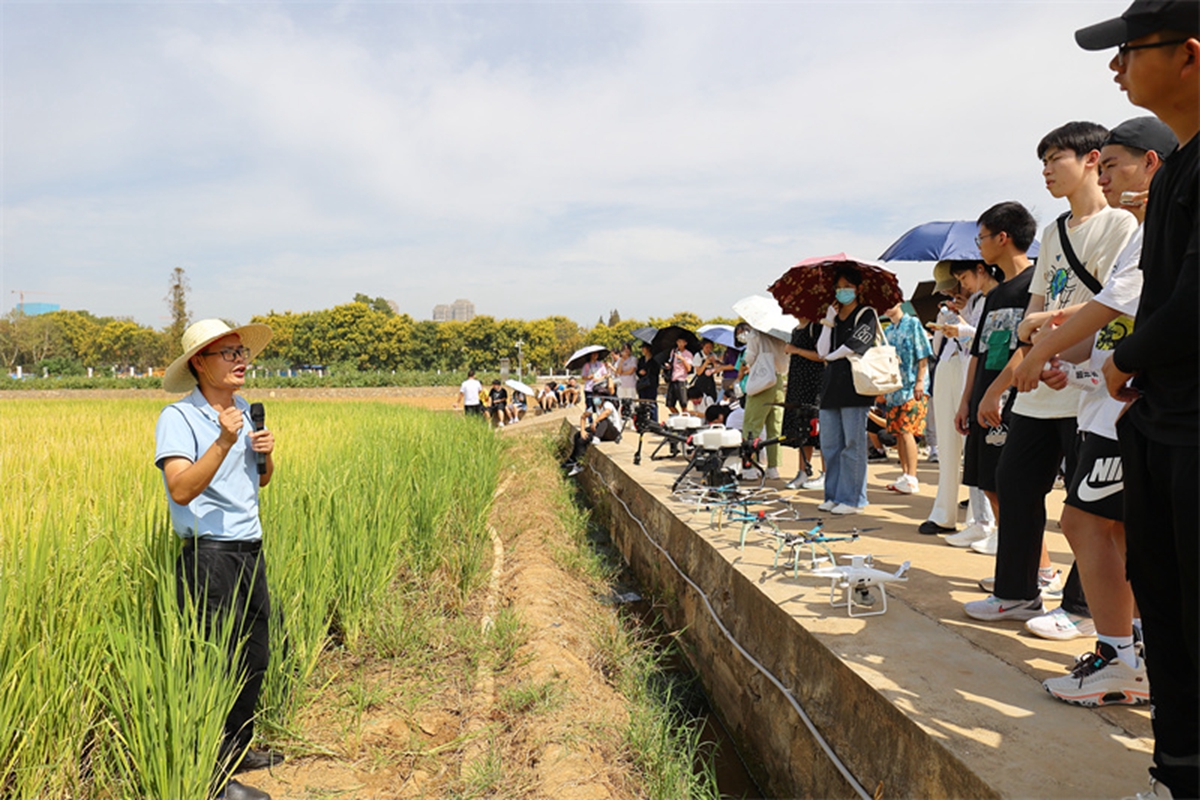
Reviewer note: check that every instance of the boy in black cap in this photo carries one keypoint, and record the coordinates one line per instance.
(1158, 65)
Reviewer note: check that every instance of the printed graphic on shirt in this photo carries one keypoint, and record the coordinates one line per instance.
(1112, 333)
(1063, 280)
(1001, 319)
(864, 334)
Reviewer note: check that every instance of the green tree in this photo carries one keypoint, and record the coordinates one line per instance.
(684, 319)
(380, 304)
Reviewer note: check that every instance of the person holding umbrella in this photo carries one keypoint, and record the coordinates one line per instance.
(849, 328)
(595, 376)
(648, 369)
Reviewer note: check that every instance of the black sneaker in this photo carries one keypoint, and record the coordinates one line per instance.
(932, 528)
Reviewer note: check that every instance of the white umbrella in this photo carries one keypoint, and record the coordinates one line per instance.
(523, 388)
(764, 315)
(582, 355)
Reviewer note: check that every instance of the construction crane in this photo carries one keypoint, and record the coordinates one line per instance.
(20, 293)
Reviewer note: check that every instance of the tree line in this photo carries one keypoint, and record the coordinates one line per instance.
(365, 335)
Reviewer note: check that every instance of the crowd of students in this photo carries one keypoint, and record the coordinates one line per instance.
(1081, 367)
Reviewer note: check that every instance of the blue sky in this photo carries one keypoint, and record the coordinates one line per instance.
(535, 158)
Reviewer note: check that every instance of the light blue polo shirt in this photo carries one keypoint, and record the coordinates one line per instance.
(228, 509)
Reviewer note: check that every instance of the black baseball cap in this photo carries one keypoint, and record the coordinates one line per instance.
(1145, 133)
(1142, 18)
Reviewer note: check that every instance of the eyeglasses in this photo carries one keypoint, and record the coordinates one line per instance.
(231, 353)
(1125, 48)
(980, 237)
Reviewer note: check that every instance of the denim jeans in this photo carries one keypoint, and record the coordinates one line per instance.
(844, 448)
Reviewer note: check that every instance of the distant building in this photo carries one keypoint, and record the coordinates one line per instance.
(33, 309)
(459, 311)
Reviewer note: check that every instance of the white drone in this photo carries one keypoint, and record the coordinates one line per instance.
(856, 581)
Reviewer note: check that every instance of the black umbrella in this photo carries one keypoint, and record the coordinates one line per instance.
(666, 338)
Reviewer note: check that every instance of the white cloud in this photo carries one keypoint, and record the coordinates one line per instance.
(536, 158)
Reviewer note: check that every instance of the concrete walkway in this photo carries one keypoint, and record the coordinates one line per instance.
(973, 688)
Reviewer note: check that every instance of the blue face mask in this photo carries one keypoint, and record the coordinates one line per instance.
(845, 295)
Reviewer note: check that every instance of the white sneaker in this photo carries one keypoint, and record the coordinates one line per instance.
(772, 473)
(1061, 625)
(826, 506)
(987, 584)
(1101, 678)
(993, 609)
(575, 470)
(817, 483)
(1157, 791)
(796, 482)
(845, 508)
(968, 535)
(749, 474)
(905, 484)
(1052, 589)
(988, 545)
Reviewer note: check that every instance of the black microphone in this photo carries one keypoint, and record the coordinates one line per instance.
(259, 417)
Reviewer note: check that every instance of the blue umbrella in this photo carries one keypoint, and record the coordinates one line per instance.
(718, 334)
(939, 241)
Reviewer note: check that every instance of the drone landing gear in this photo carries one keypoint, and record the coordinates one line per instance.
(859, 596)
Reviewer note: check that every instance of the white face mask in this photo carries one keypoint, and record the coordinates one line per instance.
(742, 337)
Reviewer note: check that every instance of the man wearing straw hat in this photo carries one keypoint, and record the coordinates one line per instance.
(206, 448)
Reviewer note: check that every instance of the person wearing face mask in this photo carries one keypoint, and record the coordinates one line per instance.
(849, 327)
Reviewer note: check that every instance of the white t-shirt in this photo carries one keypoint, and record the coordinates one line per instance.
(470, 391)
(1096, 241)
(614, 415)
(1098, 411)
(734, 420)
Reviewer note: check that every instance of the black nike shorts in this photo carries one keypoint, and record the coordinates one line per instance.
(1098, 485)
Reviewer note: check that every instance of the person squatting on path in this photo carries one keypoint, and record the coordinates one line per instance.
(206, 448)
(1156, 369)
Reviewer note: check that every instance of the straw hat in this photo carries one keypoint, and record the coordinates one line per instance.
(199, 335)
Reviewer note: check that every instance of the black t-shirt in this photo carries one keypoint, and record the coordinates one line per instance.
(858, 332)
(498, 397)
(648, 370)
(1163, 348)
(996, 337)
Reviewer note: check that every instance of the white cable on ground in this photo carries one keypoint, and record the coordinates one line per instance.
(808, 723)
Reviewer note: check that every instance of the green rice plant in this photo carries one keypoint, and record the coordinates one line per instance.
(105, 690)
(169, 687)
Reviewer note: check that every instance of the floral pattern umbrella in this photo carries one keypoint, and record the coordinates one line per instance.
(806, 290)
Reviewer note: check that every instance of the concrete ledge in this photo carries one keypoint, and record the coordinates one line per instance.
(920, 702)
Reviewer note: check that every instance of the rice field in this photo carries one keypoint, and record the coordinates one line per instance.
(106, 690)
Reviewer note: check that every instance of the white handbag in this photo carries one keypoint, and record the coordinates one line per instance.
(876, 371)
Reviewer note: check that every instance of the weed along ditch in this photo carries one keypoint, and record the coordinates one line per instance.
(718, 753)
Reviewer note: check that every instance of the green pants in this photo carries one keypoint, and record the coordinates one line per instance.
(760, 412)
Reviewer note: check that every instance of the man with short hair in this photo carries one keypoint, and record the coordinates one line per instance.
(1092, 518)
(1158, 66)
(206, 447)
(469, 395)
(1077, 253)
(679, 364)
(1006, 233)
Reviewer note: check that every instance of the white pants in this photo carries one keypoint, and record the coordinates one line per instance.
(947, 392)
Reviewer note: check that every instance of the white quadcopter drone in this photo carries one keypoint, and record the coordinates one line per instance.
(856, 581)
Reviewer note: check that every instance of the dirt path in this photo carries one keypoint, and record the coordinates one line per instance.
(545, 725)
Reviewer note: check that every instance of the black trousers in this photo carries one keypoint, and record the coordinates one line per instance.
(1162, 526)
(223, 583)
(1024, 476)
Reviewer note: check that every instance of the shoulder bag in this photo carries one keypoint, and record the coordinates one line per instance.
(876, 371)
(1089, 280)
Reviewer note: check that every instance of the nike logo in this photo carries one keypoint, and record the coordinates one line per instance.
(1002, 609)
(1106, 471)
